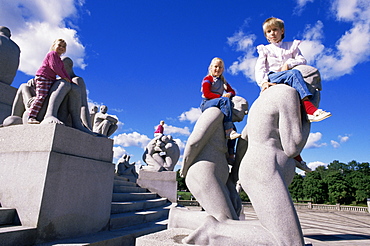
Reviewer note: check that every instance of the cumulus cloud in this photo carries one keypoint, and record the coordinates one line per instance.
(170, 130)
(246, 63)
(192, 115)
(313, 141)
(131, 139)
(315, 164)
(343, 139)
(34, 27)
(333, 61)
(118, 152)
(335, 144)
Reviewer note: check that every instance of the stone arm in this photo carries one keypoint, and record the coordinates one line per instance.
(241, 149)
(106, 117)
(207, 123)
(85, 115)
(291, 130)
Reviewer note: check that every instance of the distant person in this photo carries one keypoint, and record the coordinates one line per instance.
(160, 129)
(104, 123)
(276, 62)
(214, 86)
(9, 56)
(51, 66)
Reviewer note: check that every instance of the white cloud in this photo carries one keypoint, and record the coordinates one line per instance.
(300, 5)
(192, 115)
(131, 139)
(315, 164)
(335, 144)
(247, 62)
(169, 130)
(34, 27)
(343, 139)
(313, 141)
(118, 152)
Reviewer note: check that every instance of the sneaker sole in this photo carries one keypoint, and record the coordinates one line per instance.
(320, 119)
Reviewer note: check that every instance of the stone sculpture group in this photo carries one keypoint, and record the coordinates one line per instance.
(275, 133)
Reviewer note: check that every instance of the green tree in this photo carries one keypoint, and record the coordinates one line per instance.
(314, 187)
(296, 187)
(338, 187)
(181, 185)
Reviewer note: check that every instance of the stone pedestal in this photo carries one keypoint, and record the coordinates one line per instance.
(58, 178)
(170, 237)
(163, 183)
(7, 94)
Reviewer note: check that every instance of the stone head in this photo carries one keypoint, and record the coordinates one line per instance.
(240, 108)
(68, 63)
(5, 31)
(94, 109)
(103, 109)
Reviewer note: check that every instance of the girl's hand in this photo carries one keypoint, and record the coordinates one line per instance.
(227, 95)
(266, 85)
(285, 67)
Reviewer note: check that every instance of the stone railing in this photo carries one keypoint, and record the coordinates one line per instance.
(309, 205)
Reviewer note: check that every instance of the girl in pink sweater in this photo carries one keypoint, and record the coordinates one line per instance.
(51, 66)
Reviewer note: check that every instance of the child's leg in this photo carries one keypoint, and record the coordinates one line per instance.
(42, 89)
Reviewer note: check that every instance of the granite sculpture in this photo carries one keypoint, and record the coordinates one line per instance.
(62, 106)
(276, 132)
(104, 123)
(161, 154)
(127, 169)
(9, 56)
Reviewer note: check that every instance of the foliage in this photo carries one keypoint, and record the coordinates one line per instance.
(181, 185)
(338, 183)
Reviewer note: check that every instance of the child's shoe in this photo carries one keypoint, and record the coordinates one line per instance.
(303, 166)
(32, 121)
(319, 115)
(233, 135)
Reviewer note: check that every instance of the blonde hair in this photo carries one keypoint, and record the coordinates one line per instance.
(273, 22)
(216, 59)
(56, 42)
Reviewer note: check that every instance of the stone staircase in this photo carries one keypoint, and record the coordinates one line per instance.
(134, 212)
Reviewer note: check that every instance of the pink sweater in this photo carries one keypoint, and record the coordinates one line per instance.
(52, 66)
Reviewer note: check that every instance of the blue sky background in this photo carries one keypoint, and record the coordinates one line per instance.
(145, 60)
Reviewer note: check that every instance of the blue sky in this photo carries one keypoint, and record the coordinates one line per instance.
(145, 60)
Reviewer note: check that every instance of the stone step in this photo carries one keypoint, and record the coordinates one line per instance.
(125, 197)
(17, 235)
(123, 207)
(7, 216)
(124, 183)
(118, 221)
(122, 237)
(116, 177)
(128, 189)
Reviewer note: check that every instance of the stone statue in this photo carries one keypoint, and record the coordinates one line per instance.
(62, 106)
(9, 56)
(124, 168)
(161, 154)
(206, 169)
(85, 116)
(93, 112)
(104, 123)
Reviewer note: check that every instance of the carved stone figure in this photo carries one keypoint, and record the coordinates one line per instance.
(104, 123)
(205, 166)
(9, 56)
(124, 168)
(62, 106)
(93, 112)
(161, 154)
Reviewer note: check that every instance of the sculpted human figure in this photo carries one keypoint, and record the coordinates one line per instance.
(127, 169)
(205, 166)
(62, 106)
(277, 132)
(104, 123)
(9, 56)
(161, 154)
(93, 112)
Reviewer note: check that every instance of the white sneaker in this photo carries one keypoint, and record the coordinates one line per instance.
(303, 166)
(233, 135)
(319, 115)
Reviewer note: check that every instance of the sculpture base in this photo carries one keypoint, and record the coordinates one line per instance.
(58, 178)
(7, 94)
(170, 237)
(163, 183)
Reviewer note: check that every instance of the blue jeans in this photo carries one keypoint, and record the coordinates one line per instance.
(226, 107)
(292, 78)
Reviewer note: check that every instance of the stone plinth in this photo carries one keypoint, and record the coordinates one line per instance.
(58, 178)
(7, 94)
(163, 183)
(170, 237)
